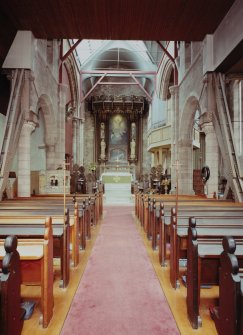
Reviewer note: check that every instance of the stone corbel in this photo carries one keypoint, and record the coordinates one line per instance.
(30, 125)
(33, 118)
(208, 128)
(208, 100)
(205, 118)
(70, 110)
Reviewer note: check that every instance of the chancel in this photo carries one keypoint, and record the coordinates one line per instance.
(118, 187)
(121, 138)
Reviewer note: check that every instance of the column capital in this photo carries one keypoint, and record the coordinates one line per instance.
(207, 78)
(205, 118)
(74, 121)
(174, 90)
(208, 128)
(29, 125)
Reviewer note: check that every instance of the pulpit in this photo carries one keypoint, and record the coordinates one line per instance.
(52, 181)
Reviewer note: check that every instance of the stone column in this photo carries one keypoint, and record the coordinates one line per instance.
(211, 159)
(185, 167)
(211, 143)
(60, 131)
(75, 132)
(81, 143)
(174, 90)
(24, 159)
(51, 163)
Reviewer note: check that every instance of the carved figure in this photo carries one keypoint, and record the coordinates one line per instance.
(102, 149)
(133, 148)
(133, 130)
(102, 130)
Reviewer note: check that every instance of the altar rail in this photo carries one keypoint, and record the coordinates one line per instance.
(117, 167)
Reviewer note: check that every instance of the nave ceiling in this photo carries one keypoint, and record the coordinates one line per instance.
(111, 19)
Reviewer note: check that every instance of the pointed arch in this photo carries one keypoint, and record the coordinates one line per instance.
(73, 85)
(185, 144)
(188, 116)
(166, 73)
(45, 106)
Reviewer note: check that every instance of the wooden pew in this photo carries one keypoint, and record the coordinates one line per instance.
(203, 261)
(176, 232)
(96, 200)
(83, 225)
(33, 227)
(207, 226)
(162, 240)
(162, 225)
(36, 264)
(169, 201)
(11, 314)
(228, 316)
(57, 201)
(89, 214)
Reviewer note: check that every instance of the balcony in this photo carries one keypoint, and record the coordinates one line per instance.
(159, 137)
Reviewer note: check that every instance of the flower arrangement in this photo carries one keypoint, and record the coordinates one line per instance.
(92, 167)
(166, 182)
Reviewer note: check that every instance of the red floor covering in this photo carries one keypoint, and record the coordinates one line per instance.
(119, 293)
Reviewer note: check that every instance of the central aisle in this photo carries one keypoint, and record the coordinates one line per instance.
(119, 293)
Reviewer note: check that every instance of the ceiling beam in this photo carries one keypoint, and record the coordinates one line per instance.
(127, 73)
(73, 47)
(117, 83)
(166, 51)
(172, 59)
(142, 88)
(93, 87)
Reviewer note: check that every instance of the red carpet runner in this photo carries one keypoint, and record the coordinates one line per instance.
(119, 293)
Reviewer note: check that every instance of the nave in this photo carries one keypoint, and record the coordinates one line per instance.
(176, 298)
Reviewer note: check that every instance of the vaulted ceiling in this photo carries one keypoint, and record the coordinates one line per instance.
(185, 20)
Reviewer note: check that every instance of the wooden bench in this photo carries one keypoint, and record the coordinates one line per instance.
(88, 214)
(159, 219)
(176, 231)
(11, 314)
(36, 264)
(203, 261)
(228, 316)
(207, 226)
(142, 201)
(96, 201)
(33, 227)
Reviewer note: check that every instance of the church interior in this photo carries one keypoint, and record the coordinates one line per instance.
(121, 183)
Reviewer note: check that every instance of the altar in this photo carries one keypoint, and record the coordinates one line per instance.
(117, 186)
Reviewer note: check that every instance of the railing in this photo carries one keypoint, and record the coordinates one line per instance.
(119, 167)
(162, 136)
(159, 137)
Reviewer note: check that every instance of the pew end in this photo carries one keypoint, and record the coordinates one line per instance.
(228, 315)
(36, 268)
(11, 314)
